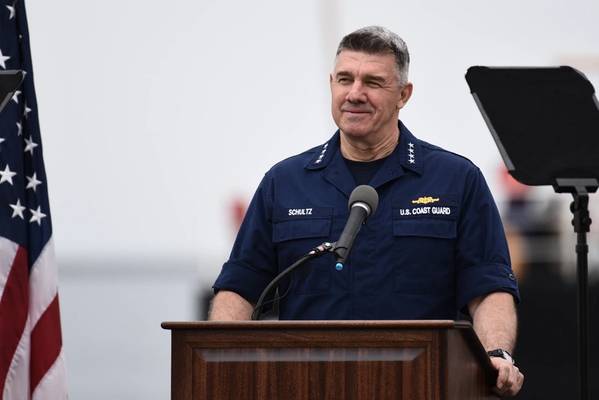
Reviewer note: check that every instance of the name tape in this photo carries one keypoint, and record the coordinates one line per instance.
(425, 211)
(300, 211)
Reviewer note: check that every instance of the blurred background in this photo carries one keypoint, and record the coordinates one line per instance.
(159, 119)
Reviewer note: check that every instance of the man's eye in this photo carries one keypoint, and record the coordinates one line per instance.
(343, 80)
(374, 84)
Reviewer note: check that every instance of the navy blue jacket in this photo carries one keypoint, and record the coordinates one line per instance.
(435, 243)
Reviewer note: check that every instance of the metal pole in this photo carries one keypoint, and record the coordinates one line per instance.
(582, 223)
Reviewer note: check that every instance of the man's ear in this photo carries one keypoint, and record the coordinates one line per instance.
(405, 94)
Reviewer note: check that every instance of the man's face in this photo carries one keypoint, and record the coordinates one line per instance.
(366, 94)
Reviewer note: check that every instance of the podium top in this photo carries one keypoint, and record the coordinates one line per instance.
(258, 325)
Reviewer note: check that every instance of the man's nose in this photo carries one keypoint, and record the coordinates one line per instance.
(356, 93)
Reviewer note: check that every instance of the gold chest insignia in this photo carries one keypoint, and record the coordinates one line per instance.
(425, 200)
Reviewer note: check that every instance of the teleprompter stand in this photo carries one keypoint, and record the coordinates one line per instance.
(545, 123)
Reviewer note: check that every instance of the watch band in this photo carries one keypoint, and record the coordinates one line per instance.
(502, 354)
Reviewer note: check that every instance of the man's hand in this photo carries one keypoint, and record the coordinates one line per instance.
(509, 379)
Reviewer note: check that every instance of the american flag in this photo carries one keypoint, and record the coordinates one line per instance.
(31, 353)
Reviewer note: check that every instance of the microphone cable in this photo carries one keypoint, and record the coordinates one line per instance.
(316, 252)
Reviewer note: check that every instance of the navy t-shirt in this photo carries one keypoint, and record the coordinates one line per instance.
(363, 171)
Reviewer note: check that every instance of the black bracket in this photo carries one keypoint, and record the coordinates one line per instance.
(580, 189)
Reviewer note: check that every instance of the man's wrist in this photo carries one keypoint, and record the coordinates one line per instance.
(501, 353)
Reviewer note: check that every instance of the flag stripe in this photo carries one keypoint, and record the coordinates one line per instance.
(43, 282)
(46, 343)
(13, 312)
(17, 380)
(53, 385)
(26, 361)
(8, 250)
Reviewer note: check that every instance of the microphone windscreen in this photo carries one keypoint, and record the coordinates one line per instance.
(365, 194)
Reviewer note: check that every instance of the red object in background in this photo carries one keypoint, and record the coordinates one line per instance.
(238, 207)
(513, 188)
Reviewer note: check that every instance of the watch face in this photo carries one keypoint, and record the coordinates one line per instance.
(508, 357)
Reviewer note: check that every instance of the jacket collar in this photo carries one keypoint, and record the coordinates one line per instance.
(409, 150)
(407, 155)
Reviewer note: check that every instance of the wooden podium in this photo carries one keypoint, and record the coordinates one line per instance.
(313, 360)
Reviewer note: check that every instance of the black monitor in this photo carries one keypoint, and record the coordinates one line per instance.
(545, 121)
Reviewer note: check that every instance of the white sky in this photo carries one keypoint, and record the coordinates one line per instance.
(155, 115)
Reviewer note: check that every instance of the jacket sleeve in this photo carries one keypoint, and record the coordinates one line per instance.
(482, 257)
(252, 263)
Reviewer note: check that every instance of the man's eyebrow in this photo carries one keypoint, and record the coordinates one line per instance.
(343, 73)
(368, 77)
(375, 78)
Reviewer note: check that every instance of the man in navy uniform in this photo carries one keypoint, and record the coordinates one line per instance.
(435, 247)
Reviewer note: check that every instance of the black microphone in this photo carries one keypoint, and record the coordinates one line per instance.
(362, 203)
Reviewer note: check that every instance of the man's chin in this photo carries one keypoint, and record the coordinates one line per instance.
(355, 132)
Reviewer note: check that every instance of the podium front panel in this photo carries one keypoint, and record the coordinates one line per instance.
(311, 373)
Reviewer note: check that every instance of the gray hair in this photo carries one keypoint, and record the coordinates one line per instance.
(379, 40)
